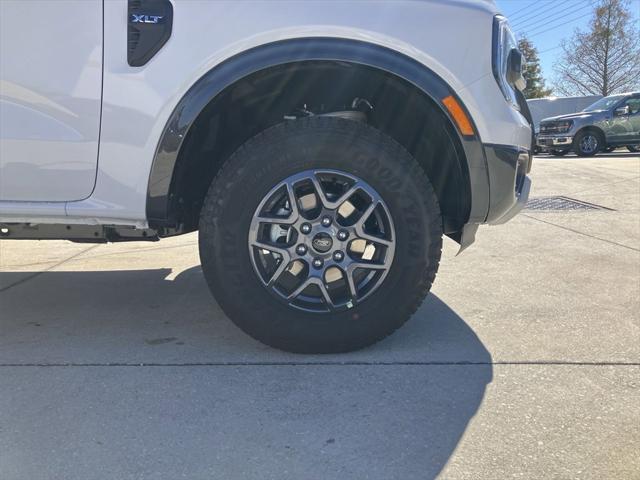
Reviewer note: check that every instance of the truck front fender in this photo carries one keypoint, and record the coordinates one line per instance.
(216, 80)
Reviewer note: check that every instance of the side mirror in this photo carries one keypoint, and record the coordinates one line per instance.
(621, 111)
(515, 66)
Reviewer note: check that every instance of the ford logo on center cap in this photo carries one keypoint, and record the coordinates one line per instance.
(322, 242)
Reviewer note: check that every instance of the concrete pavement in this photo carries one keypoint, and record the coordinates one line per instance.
(524, 362)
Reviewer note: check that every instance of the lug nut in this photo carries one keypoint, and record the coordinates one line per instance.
(338, 256)
(343, 235)
(305, 228)
(326, 221)
(301, 249)
(317, 263)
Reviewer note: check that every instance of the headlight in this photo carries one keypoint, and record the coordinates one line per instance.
(507, 61)
(564, 127)
(561, 126)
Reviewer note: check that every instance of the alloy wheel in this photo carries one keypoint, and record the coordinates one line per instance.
(322, 240)
(589, 144)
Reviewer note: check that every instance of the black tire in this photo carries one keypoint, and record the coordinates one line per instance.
(588, 137)
(287, 149)
(633, 148)
(558, 153)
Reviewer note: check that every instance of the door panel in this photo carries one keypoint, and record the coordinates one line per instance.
(50, 94)
(634, 119)
(626, 128)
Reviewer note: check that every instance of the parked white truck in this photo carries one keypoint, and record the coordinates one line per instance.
(321, 149)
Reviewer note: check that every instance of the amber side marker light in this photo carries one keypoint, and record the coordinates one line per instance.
(458, 115)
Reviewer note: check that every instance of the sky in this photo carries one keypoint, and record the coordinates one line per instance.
(547, 22)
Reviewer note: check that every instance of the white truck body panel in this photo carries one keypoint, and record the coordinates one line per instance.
(50, 93)
(451, 37)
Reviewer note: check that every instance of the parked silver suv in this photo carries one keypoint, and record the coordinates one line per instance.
(611, 122)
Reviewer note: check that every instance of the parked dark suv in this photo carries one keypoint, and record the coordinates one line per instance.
(611, 122)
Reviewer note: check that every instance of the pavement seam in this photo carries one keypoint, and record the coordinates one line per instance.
(338, 364)
(48, 269)
(582, 233)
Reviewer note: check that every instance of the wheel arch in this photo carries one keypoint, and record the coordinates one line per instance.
(592, 128)
(170, 152)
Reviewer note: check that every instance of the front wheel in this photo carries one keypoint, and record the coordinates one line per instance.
(320, 235)
(588, 143)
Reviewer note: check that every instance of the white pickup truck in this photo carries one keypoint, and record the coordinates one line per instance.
(321, 149)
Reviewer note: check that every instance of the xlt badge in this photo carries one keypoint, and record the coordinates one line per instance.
(146, 18)
(149, 24)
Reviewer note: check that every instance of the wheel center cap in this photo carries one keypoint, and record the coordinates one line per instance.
(322, 242)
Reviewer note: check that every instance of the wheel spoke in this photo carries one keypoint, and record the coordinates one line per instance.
(293, 202)
(352, 267)
(293, 295)
(279, 271)
(359, 226)
(293, 206)
(366, 214)
(290, 220)
(349, 272)
(320, 192)
(272, 248)
(321, 286)
(332, 205)
(344, 197)
(284, 261)
(373, 238)
(325, 294)
(347, 195)
(353, 291)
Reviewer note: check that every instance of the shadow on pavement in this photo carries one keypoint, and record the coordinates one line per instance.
(398, 411)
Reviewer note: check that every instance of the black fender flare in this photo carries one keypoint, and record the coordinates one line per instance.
(225, 74)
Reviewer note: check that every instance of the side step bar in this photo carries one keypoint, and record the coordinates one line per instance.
(76, 233)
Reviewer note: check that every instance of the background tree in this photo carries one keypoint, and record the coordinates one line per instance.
(606, 58)
(532, 71)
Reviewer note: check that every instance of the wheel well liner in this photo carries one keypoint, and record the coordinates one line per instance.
(210, 86)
